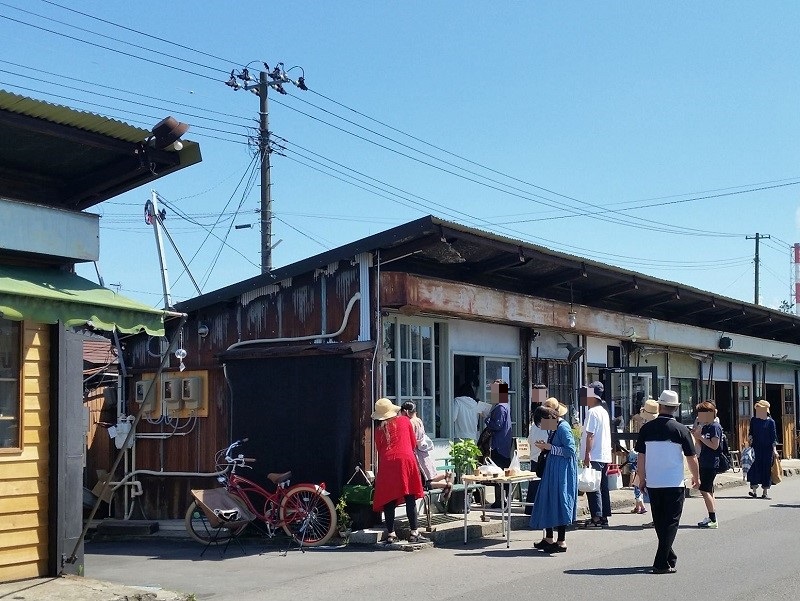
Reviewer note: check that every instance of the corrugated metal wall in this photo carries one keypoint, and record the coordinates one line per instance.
(308, 305)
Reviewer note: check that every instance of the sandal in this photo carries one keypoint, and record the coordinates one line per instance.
(592, 523)
(752, 493)
(390, 538)
(417, 538)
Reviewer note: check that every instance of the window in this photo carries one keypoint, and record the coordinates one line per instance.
(409, 356)
(745, 401)
(788, 400)
(557, 375)
(10, 397)
(687, 392)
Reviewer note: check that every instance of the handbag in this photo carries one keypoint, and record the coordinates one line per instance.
(485, 442)
(542, 460)
(358, 494)
(776, 473)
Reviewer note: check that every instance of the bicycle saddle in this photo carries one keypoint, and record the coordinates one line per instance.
(278, 478)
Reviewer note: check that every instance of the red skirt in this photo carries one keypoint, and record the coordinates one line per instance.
(397, 477)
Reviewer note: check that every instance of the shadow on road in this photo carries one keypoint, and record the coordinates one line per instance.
(627, 571)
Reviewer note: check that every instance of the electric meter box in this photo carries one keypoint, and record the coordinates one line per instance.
(171, 394)
(146, 395)
(191, 393)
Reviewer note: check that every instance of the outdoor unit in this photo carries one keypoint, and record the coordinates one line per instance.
(191, 393)
(171, 395)
(145, 397)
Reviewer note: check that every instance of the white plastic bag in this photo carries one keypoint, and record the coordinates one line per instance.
(514, 465)
(490, 468)
(589, 480)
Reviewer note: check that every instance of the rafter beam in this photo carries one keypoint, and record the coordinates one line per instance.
(615, 289)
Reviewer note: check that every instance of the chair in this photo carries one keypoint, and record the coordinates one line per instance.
(224, 512)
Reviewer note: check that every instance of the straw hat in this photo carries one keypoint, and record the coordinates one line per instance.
(669, 398)
(553, 403)
(762, 404)
(650, 407)
(384, 409)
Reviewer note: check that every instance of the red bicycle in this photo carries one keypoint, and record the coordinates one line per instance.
(304, 511)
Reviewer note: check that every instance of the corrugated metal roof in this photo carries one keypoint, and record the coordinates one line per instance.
(64, 115)
(62, 157)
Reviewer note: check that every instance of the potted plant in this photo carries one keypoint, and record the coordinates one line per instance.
(344, 522)
(464, 456)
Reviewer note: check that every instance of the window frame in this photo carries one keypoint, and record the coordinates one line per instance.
(396, 362)
(20, 330)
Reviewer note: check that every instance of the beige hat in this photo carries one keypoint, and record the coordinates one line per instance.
(384, 409)
(650, 407)
(553, 403)
(762, 404)
(669, 398)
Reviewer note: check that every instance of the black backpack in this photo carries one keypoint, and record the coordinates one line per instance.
(724, 463)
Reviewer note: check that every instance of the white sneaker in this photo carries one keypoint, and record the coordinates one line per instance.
(704, 523)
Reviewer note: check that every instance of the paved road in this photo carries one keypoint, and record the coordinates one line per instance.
(754, 555)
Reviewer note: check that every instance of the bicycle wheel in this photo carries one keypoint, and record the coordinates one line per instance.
(199, 529)
(307, 515)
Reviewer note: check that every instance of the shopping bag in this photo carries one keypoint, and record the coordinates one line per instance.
(776, 473)
(589, 480)
(614, 475)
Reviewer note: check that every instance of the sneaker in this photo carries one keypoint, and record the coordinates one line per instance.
(417, 538)
(647, 525)
(704, 523)
(707, 523)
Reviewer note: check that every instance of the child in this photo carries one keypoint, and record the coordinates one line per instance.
(746, 460)
(637, 492)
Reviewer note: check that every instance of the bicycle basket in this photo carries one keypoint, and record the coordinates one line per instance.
(358, 494)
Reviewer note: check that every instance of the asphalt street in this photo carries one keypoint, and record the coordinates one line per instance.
(755, 554)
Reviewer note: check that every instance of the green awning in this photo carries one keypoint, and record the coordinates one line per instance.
(52, 295)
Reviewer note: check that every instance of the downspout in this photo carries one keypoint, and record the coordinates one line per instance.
(378, 342)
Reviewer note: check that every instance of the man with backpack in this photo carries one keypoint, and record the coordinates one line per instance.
(708, 437)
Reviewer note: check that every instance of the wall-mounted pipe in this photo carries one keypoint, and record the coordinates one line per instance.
(349, 308)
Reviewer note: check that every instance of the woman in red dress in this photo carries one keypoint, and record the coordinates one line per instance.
(398, 479)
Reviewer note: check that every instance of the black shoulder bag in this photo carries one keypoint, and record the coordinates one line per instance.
(542, 460)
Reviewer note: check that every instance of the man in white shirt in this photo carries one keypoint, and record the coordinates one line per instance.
(596, 451)
(466, 411)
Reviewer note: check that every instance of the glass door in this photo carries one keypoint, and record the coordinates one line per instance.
(626, 390)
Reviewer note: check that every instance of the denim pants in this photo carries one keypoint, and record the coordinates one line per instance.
(600, 502)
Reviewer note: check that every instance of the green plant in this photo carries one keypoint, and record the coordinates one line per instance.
(343, 519)
(464, 455)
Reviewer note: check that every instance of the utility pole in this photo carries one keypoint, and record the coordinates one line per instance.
(153, 216)
(266, 79)
(758, 237)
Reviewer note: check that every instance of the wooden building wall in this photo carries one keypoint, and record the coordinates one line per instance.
(24, 476)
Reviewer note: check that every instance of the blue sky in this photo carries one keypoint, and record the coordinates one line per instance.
(651, 136)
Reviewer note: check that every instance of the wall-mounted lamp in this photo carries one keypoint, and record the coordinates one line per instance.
(630, 334)
(167, 134)
(202, 330)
